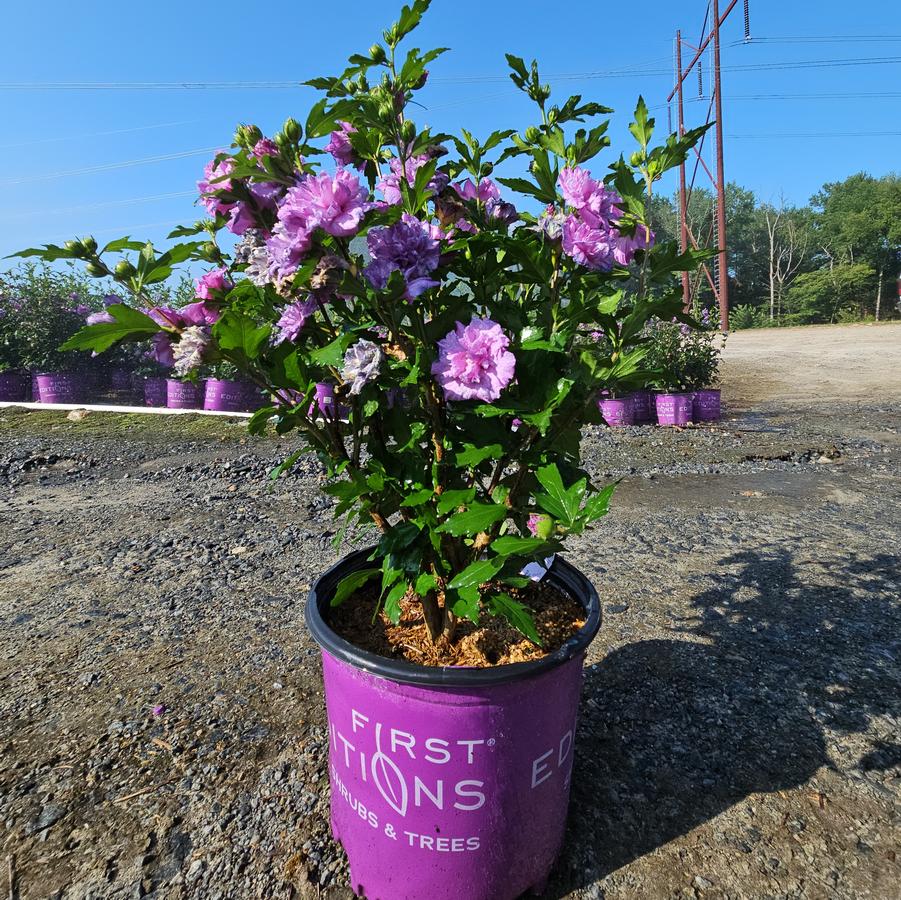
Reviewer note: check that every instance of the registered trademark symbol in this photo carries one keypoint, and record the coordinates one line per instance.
(491, 742)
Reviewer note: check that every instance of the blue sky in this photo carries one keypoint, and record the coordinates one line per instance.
(769, 148)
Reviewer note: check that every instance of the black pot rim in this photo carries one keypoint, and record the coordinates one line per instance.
(561, 573)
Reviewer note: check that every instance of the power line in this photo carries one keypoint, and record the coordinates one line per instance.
(101, 205)
(648, 68)
(90, 170)
(78, 137)
(822, 39)
(813, 134)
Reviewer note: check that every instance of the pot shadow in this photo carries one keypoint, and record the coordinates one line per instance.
(674, 732)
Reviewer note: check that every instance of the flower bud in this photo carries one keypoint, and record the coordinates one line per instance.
(532, 134)
(386, 111)
(124, 269)
(89, 244)
(291, 130)
(487, 169)
(281, 141)
(377, 53)
(420, 82)
(73, 246)
(96, 270)
(408, 130)
(210, 250)
(552, 114)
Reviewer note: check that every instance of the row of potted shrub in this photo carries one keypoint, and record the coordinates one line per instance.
(650, 407)
(219, 394)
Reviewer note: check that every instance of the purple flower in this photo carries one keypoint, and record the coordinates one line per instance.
(474, 362)
(340, 147)
(286, 248)
(264, 147)
(165, 316)
(208, 186)
(112, 300)
(265, 195)
(408, 246)
(190, 349)
(389, 185)
(332, 203)
(588, 246)
(99, 318)
(484, 191)
(200, 313)
(596, 204)
(158, 710)
(82, 309)
(212, 283)
(501, 211)
(550, 223)
(361, 365)
(161, 349)
(624, 246)
(293, 318)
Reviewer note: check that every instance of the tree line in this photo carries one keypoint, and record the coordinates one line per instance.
(836, 259)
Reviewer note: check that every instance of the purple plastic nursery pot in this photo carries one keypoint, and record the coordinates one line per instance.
(642, 402)
(184, 394)
(13, 387)
(706, 405)
(61, 387)
(224, 395)
(673, 409)
(155, 391)
(617, 413)
(449, 783)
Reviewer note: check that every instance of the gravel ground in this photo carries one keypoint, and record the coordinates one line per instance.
(162, 731)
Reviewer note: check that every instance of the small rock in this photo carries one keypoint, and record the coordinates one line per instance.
(76, 415)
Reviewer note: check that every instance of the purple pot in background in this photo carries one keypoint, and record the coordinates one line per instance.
(62, 387)
(223, 395)
(449, 783)
(121, 380)
(673, 409)
(184, 394)
(706, 405)
(13, 387)
(643, 407)
(617, 413)
(155, 391)
(325, 402)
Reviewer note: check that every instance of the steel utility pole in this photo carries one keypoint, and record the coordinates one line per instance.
(718, 279)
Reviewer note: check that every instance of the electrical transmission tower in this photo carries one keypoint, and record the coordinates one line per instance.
(718, 275)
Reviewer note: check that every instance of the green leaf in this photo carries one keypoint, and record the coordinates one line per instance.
(477, 573)
(475, 519)
(473, 455)
(235, 331)
(512, 545)
(450, 500)
(392, 601)
(598, 506)
(417, 498)
(333, 354)
(49, 253)
(124, 243)
(352, 583)
(642, 127)
(465, 603)
(424, 584)
(561, 503)
(516, 614)
(130, 325)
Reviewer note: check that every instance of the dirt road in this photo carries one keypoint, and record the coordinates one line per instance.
(161, 724)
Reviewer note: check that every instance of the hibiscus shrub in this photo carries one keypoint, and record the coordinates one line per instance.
(442, 373)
